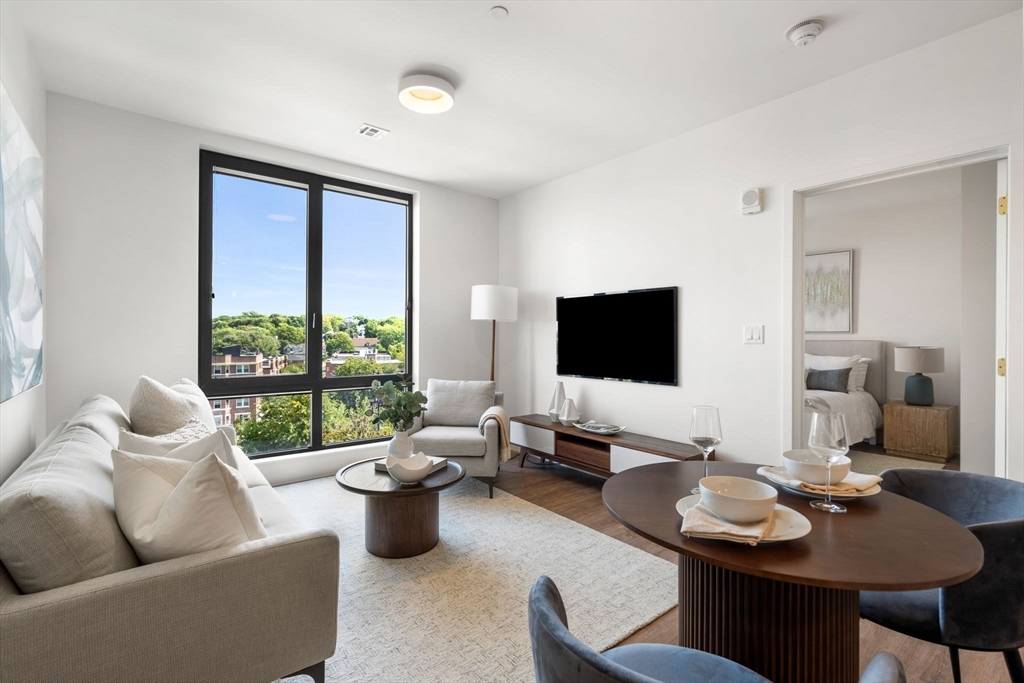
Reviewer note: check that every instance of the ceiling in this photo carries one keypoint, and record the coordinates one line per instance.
(555, 88)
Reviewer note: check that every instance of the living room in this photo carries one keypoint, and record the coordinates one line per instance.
(422, 190)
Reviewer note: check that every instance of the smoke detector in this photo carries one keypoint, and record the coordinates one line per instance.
(370, 131)
(804, 33)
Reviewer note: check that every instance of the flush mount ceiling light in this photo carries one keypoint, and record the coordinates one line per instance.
(426, 94)
(804, 33)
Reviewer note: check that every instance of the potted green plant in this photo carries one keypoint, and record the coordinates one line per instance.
(395, 402)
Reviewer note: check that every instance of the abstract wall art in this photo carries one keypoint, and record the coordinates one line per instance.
(828, 291)
(21, 255)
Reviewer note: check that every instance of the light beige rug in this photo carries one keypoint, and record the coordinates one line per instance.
(876, 463)
(458, 613)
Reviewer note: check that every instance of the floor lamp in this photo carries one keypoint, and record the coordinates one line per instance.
(494, 303)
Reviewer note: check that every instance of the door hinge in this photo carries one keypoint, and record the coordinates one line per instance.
(1001, 367)
(1002, 206)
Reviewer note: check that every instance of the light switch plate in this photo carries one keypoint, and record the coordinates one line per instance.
(753, 334)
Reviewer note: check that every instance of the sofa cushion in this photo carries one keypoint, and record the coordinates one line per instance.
(170, 508)
(156, 409)
(450, 441)
(219, 443)
(102, 415)
(457, 404)
(57, 509)
(277, 517)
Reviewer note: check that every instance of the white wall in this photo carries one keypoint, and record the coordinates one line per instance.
(22, 418)
(905, 234)
(123, 243)
(669, 215)
(977, 319)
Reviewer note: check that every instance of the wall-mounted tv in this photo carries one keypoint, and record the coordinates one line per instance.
(626, 336)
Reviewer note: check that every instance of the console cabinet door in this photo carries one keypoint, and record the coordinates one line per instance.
(534, 438)
(624, 458)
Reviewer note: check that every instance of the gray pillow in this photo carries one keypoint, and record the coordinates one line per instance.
(457, 404)
(829, 380)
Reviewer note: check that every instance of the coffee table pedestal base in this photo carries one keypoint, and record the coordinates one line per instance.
(401, 526)
(788, 633)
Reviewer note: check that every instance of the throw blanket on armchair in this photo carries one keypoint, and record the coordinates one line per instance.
(498, 414)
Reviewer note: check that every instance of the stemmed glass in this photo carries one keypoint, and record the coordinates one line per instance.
(705, 433)
(829, 442)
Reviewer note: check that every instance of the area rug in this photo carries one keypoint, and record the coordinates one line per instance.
(876, 463)
(458, 612)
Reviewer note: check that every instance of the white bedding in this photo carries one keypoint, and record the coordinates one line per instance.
(863, 416)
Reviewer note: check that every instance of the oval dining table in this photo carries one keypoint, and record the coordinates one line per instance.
(790, 610)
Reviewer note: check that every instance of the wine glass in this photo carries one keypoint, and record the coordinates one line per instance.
(829, 442)
(705, 433)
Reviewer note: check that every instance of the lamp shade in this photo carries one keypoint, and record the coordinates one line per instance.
(920, 359)
(494, 302)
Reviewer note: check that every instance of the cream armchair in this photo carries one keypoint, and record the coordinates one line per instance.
(451, 427)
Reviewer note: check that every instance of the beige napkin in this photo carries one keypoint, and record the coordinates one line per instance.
(852, 483)
(700, 522)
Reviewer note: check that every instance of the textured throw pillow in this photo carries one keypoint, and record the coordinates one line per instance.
(860, 372)
(156, 409)
(219, 443)
(170, 508)
(829, 380)
(453, 403)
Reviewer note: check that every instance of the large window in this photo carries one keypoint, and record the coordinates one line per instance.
(304, 300)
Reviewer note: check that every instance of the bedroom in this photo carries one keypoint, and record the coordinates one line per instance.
(906, 262)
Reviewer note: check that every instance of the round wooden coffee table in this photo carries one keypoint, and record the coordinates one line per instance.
(790, 610)
(401, 521)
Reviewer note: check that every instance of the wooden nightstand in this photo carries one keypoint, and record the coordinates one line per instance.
(922, 432)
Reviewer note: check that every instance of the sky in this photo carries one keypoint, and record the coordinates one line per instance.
(259, 251)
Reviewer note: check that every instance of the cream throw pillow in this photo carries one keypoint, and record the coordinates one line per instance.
(219, 443)
(170, 508)
(155, 409)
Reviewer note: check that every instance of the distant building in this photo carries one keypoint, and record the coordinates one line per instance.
(234, 363)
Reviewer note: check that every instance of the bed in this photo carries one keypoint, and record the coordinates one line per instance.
(862, 408)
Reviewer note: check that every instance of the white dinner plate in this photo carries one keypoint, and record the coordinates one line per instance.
(789, 524)
(874, 490)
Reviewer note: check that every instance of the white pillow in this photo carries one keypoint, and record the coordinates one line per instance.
(457, 404)
(858, 365)
(170, 508)
(155, 409)
(219, 443)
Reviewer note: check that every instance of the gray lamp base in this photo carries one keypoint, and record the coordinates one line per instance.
(918, 391)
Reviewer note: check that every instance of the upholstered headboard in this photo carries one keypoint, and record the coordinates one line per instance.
(866, 348)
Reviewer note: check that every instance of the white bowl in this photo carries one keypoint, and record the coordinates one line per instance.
(806, 466)
(409, 470)
(738, 500)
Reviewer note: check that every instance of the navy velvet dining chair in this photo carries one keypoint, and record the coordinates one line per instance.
(560, 657)
(986, 612)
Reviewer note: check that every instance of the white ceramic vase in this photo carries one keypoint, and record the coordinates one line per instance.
(400, 446)
(557, 400)
(569, 414)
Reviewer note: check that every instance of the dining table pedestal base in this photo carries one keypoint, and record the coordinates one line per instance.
(787, 632)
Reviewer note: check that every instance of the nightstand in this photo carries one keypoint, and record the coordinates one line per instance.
(922, 432)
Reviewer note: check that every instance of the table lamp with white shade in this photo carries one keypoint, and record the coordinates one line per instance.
(494, 303)
(918, 389)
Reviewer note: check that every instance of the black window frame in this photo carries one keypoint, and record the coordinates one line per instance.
(311, 382)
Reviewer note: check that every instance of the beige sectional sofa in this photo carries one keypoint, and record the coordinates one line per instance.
(76, 605)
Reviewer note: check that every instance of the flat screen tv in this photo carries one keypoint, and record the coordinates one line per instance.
(626, 336)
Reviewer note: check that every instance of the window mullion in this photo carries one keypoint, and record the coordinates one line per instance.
(314, 318)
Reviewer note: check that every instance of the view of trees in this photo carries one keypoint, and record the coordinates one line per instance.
(283, 422)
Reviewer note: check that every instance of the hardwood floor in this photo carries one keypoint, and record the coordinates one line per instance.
(577, 496)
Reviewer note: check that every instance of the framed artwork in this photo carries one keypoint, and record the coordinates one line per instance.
(21, 255)
(828, 291)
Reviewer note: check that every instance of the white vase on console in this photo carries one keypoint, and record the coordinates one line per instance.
(569, 414)
(557, 400)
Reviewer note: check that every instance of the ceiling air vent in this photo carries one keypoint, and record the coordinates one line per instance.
(372, 132)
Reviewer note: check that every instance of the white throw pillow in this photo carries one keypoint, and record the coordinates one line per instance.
(155, 409)
(858, 365)
(219, 443)
(170, 508)
(457, 404)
